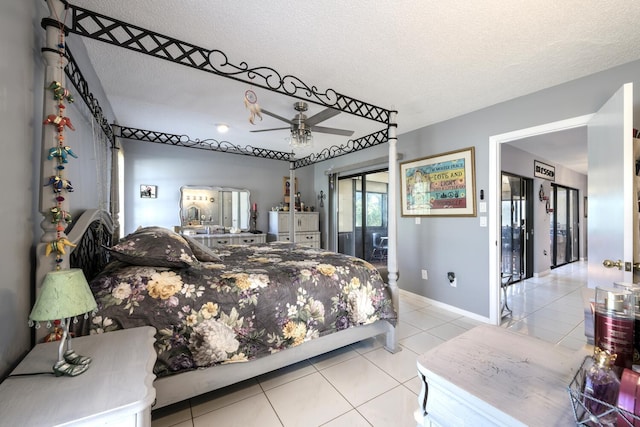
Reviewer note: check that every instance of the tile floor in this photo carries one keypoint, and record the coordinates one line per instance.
(363, 384)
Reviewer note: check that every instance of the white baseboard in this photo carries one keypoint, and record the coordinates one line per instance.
(542, 273)
(448, 307)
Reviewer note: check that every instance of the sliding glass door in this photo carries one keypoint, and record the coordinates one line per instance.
(362, 215)
(565, 244)
(516, 215)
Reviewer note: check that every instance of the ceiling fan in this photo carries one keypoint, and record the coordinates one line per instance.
(303, 124)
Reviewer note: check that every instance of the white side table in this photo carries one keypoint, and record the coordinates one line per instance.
(117, 390)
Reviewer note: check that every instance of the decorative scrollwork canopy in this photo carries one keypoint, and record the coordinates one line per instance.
(109, 30)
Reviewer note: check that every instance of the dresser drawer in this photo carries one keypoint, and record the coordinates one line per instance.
(311, 239)
(212, 240)
(256, 238)
(308, 239)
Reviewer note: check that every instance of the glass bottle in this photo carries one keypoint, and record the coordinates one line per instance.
(601, 387)
(635, 288)
(614, 323)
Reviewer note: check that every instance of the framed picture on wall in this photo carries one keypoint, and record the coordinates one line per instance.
(286, 186)
(148, 191)
(440, 185)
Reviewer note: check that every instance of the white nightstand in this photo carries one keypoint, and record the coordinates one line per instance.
(117, 390)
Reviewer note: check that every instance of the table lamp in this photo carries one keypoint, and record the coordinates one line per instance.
(65, 294)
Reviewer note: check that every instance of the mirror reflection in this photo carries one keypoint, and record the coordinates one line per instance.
(217, 208)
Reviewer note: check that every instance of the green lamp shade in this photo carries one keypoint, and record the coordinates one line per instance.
(64, 293)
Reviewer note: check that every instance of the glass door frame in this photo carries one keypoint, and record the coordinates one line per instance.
(523, 227)
(571, 209)
(361, 243)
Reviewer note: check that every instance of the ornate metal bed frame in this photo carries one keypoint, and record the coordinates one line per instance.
(93, 230)
(92, 234)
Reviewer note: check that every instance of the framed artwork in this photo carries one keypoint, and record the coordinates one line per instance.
(286, 186)
(148, 191)
(440, 185)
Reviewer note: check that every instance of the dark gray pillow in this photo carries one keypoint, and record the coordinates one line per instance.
(156, 247)
(202, 252)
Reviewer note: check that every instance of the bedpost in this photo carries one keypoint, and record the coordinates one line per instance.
(392, 262)
(55, 62)
(292, 203)
(114, 196)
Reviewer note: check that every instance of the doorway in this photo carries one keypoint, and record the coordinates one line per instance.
(516, 227)
(363, 215)
(565, 226)
(494, 222)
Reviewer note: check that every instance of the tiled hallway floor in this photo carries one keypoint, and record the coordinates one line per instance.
(363, 384)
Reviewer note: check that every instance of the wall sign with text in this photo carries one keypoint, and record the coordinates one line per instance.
(544, 171)
(440, 185)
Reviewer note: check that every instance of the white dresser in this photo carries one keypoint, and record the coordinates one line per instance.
(116, 390)
(306, 228)
(213, 240)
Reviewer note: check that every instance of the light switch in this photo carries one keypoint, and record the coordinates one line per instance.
(483, 221)
(482, 206)
(417, 220)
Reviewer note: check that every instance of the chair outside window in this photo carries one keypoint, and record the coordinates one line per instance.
(379, 251)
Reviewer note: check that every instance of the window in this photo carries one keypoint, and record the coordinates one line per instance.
(375, 209)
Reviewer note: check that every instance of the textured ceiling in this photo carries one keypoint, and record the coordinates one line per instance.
(430, 60)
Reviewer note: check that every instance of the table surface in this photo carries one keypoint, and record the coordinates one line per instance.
(118, 382)
(513, 377)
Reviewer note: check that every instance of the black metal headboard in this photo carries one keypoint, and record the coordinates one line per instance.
(92, 234)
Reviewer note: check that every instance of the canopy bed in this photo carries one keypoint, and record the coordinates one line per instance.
(90, 244)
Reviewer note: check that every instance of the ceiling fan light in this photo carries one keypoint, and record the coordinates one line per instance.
(300, 138)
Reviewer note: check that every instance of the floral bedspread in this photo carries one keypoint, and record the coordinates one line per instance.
(259, 299)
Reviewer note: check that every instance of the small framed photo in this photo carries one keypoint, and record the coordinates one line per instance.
(440, 185)
(286, 186)
(148, 191)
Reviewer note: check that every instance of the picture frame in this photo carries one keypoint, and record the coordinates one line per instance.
(439, 185)
(148, 191)
(286, 187)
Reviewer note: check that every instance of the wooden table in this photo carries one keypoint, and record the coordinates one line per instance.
(490, 376)
(117, 388)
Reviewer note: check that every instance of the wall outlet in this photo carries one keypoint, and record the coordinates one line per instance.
(454, 283)
(424, 275)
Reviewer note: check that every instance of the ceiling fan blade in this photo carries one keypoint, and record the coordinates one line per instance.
(269, 113)
(268, 130)
(321, 116)
(333, 131)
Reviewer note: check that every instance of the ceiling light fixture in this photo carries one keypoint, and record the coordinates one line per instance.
(222, 128)
(300, 138)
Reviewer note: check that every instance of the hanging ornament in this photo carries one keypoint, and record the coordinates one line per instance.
(251, 103)
(58, 215)
(60, 93)
(57, 246)
(61, 153)
(59, 121)
(58, 184)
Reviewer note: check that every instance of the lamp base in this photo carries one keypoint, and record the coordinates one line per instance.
(67, 369)
(75, 359)
(69, 363)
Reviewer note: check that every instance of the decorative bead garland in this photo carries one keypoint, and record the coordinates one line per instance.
(60, 153)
